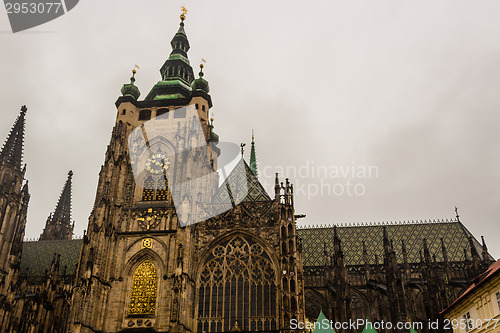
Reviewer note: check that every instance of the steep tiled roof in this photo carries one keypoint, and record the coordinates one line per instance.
(455, 237)
(37, 256)
(243, 187)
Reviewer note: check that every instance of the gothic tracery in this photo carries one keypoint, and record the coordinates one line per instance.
(237, 288)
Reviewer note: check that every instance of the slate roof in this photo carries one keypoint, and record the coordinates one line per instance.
(37, 256)
(454, 234)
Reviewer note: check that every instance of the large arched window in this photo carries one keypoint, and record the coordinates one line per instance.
(237, 288)
(144, 287)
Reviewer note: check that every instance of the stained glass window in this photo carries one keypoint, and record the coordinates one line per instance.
(144, 287)
(148, 192)
(237, 289)
(161, 192)
(155, 189)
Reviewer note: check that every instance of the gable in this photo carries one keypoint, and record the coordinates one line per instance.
(241, 186)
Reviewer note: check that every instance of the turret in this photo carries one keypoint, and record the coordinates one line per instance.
(130, 89)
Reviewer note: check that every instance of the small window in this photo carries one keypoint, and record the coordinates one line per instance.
(180, 113)
(196, 106)
(203, 107)
(163, 113)
(145, 115)
(468, 322)
(498, 299)
(124, 111)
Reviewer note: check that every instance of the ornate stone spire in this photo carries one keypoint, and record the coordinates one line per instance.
(59, 225)
(12, 151)
(253, 158)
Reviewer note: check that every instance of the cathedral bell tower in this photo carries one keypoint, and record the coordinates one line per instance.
(158, 171)
(169, 250)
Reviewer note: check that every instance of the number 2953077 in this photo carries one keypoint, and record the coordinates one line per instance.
(33, 7)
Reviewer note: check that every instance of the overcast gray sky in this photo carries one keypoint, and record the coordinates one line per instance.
(407, 87)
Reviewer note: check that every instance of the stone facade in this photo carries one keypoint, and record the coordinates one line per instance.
(156, 258)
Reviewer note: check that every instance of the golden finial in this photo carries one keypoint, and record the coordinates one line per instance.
(134, 71)
(212, 119)
(184, 12)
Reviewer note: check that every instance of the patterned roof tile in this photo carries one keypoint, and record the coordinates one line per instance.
(455, 237)
(37, 256)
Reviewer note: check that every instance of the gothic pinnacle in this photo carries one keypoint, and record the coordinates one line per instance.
(253, 158)
(12, 151)
(59, 225)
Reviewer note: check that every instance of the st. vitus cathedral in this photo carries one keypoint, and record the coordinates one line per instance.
(153, 260)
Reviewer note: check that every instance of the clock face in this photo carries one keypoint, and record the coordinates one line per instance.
(148, 219)
(157, 164)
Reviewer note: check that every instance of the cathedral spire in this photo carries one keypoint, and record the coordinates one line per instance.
(59, 225)
(12, 151)
(176, 73)
(253, 158)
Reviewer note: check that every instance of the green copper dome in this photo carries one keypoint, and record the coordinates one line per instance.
(129, 89)
(200, 83)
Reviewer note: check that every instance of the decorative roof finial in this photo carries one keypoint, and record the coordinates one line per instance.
(456, 213)
(202, 66)
(242, 145)
(184, 12)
